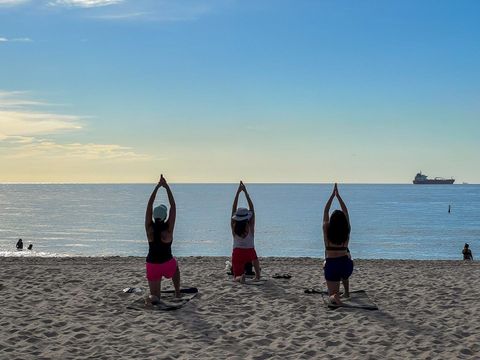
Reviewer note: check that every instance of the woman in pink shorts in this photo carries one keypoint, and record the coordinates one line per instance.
(160, 262)
(243, 230)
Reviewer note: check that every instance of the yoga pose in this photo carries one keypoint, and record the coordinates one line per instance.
(160, 262)
(243, 231)
(336, 235)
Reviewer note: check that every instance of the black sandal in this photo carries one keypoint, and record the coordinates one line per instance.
(281, 276)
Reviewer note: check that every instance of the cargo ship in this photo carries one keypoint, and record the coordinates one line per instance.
(422, 179)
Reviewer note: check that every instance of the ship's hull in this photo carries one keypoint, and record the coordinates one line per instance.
(434, 182)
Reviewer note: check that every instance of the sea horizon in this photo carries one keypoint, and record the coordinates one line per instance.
(108, 219)
(227, 183)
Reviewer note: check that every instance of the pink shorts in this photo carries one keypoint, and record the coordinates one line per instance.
(167, 269)
(240, 257)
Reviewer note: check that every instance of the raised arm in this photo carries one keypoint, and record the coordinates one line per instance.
(235, 202)
(148, 212)
(342, 204)
(326, 215)
(250, 203)
(328, 205)
(172, 215)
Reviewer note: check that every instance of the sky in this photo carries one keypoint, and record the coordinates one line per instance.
(272, 91)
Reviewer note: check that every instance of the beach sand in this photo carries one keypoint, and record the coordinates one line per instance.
(74, 308)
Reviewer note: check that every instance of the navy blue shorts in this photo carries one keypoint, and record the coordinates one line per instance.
(338, 268)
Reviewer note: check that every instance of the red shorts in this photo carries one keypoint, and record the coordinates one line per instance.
(167, 269)
(240, 257)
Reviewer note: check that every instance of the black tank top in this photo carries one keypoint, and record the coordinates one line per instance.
(158, 251)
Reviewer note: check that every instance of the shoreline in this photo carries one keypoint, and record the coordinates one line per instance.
(55, 256)
(75, 308)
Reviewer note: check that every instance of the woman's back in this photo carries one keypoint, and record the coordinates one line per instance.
(246, 242)
(160, 249)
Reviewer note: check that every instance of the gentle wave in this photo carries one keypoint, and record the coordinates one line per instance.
(31, 253)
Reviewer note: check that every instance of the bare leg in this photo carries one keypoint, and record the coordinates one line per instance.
(240, 278)
(346, 287)
(176, 283)
(256, 265)
(155, 287)
(333, 291)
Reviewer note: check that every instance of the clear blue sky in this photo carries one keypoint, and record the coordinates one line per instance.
(218, 90)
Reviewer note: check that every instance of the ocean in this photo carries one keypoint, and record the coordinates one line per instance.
(388, 221)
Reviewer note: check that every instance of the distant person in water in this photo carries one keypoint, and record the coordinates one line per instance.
(467, 253)
(30, 247)
(242, 224)
(19, 244)
(336, 236)
(160, 262)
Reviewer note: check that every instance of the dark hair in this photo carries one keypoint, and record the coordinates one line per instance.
(160, 225)
(338, 231)
(240, 228)
(466, 245)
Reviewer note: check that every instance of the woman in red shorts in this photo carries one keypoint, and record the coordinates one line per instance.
(160, 262)
(243, 231)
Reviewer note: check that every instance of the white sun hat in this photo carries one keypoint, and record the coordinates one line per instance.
(242, 214)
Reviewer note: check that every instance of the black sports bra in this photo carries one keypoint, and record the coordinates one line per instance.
(158, 251)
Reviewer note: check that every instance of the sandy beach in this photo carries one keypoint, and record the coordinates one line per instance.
(74, 308)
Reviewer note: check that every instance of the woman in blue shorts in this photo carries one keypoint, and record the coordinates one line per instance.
(336, 235)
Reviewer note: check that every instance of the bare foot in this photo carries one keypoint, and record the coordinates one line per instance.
(152, 300)
(240, 279)
(335, 299)
(178, 294)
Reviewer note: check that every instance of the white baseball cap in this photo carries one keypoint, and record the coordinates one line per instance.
(160, 212)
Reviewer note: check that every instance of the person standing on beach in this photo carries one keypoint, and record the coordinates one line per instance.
(242, 224)
(467, 253)
(19, 245)
(160, 262)
(336, 236)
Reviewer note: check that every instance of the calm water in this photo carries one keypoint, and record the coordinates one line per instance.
(388, 221)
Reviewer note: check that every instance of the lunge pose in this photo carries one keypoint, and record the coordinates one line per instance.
(336, 235)
(243, 231)
(160, 262)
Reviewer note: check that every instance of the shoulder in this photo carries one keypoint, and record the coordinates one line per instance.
(325, 225)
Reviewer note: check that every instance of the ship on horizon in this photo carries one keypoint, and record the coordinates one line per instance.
(422, 179)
